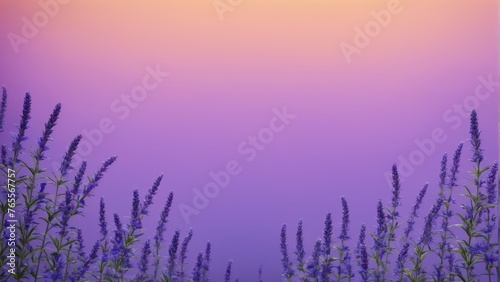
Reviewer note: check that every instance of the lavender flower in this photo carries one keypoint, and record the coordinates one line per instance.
(184, 247)
(401, 260)
(426, 237)
(313, 266)
(345, 221)
(49, 126)
(475, 138)
(379, 242)
(135, 219)
(455, 166)
(68, 156)
(3, 106)
(160, 230)
(172, 254)
(206, 260)
(4, 155)
(396, 191)
(285, 260)
(23, 125)
(327, 234)
(102, 219)
(78, 179)
(55, 272)
(414, 212)
(491, 184)
(198, 268)
(148, 200)
(260, 274)
(144, 262)
(362, 254)
(300, 252)
(98, 175)
(442, 174)
(89, 261)
(79, 245)
(227, 277)
(66, 207)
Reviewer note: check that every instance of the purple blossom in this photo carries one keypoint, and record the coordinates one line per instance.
(206, 260)
(455, 166)
(148, 200)
(260, 274)
(66, 207)
(442, 173)
(414, 212)
(144, 262)
(362, 254)
(327, 234)
(313, 266)
(3, 106)
(345, 221)
(49, 126)
(227, 276)
(285, 260)
(68, 156)
(102, 219)
(198, 268)
(475, 140)
(184, 247)
(135, 219)
(89, 261)
(160, 229)
(97, 176)
(491, 184)
(379, 242)
(55, 272)
(79, 244)
(4, 155)
(300, 252)
(23, 125)
(78, 178)
(172, 254)
(401, 259)
(426, 237)
(396, 190)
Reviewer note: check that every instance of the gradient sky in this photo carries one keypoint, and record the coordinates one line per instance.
(354, 120)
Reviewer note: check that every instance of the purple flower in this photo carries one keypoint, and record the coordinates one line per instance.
(144, 262)
(327, 234)
(49, 126)
(455, 166)
(442, 173)
(79, 178)
(362, 254)
(491, 184)
(396, 190)
(98, 175)
(414, 212)
(4, 155)
(160, 229)
(3, 106)
(227, 277)
(426, 237)
(66, 207)
(55, 272)
(401, 259)
(79, 245)
(184, 247)
(345, 221)
(314, 265)
(285, 260)
(102, 219)
(148, 200)
(260, 274)
(475, 140)
(206, 260)
(172, 254)
(198, 268)
(90, 260)
(379, 242)
(135, 219)
(300, 252)
(68, 156)
(23, 125)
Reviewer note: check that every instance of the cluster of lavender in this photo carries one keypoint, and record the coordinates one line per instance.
(457, 241)
(50, 248)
